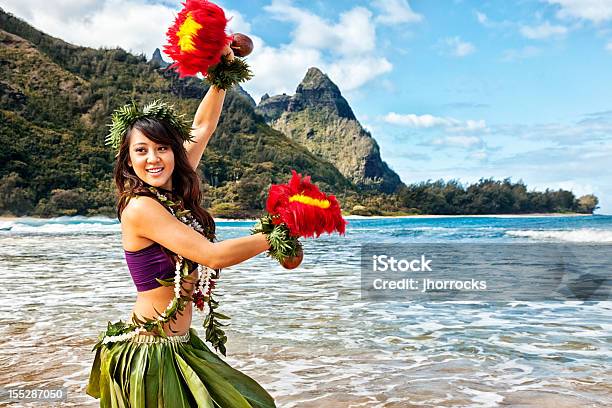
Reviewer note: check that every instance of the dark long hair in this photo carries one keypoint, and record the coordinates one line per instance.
(185, 181)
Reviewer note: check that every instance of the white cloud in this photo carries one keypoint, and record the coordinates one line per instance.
(519, 54)
(354, 33)
(543, 31)
(482, 18)
(430, 121)
(396, 12)
(596, 11)
(480, 155)
(346, 50)
(279, 70)
(133, 24)
(461, 141)
(609, 46)
(66, 9)
(237, 23)
(350, 74)
(487, 22)
(456, 47)
(412, 120)
(473, 125)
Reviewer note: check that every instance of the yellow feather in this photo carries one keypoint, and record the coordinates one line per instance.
(309, 201)
(188, 30)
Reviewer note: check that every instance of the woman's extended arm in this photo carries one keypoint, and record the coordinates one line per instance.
(149, 219)
(206, 120)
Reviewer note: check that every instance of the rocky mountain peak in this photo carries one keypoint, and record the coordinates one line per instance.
(315, 79)
(157, 59)
(318, 117)
(241, 91)
(318, 91)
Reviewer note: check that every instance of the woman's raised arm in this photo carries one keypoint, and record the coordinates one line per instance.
(149, 219)
(206, 119)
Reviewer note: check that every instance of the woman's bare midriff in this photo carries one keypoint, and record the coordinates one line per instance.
(158, 299)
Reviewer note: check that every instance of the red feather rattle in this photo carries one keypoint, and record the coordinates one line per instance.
(197, 38)
(298, 209)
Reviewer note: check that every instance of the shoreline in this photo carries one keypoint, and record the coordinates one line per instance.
(362, 217)
(427, 216)
(531, 215)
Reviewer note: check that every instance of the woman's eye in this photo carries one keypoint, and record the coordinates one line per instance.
(163, 148)
(139, 150)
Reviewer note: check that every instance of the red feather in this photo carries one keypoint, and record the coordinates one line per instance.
(208, 40)
(305, 210)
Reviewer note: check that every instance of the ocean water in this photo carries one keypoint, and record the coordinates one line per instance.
(306, 334)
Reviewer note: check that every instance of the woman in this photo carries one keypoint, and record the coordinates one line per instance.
(156, 360)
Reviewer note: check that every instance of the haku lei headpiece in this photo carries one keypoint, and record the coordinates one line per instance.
(124, 117)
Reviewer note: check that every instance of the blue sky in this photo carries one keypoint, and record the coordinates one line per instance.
(449, 89)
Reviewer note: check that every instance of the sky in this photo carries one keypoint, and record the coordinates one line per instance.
(450, 89)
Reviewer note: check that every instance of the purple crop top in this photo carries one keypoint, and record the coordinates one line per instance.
(147, 264)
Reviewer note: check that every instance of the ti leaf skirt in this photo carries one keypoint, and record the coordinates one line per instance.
(177, 372)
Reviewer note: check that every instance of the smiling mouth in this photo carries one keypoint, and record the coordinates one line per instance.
(155, 170)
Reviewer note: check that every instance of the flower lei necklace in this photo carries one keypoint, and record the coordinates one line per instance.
(202, 297)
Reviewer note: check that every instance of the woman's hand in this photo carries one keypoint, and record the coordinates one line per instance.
(227, 50)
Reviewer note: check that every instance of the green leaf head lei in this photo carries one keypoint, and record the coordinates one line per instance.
(124, 117)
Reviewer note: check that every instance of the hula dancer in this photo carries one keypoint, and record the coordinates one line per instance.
(156, 359)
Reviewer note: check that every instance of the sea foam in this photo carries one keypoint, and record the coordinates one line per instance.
(576, 235)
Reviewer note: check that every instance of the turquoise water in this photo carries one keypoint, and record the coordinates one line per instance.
(306, 334)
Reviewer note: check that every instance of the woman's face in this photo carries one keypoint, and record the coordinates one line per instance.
(153, 163)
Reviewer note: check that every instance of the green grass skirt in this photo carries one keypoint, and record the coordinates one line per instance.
(183, 372)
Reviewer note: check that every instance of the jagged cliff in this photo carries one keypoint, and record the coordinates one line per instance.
(318, 117)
